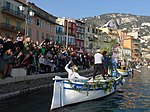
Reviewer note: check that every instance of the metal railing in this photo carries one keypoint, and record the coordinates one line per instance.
(10, 27)
(13, 12)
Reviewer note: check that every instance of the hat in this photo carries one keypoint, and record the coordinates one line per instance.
(75, 67)
(98, 50)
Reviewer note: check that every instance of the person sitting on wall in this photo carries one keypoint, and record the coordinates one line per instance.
(72, 73)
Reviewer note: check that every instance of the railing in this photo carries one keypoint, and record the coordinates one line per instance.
(45, 17)
(11, 27)
(60, 32)
(79, 38)
(90, 39)
(13, 12)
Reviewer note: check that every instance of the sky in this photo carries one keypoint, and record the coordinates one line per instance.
(87, 8)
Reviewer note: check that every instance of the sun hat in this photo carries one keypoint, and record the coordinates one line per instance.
(75, 67)
(98, 50)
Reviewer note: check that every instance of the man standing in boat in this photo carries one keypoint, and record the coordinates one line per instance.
(98, 63)
(72, 73)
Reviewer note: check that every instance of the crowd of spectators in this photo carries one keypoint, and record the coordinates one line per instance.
(35, 57)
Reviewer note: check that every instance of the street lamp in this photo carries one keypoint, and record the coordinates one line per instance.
(27, 14)
(67, 36)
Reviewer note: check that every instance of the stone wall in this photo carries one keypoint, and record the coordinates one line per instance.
(11, 87)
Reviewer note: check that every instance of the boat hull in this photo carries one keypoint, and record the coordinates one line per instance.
(66, 92)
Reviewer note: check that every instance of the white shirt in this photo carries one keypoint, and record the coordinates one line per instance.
(73, 75)
(113, 59)
(98, 58)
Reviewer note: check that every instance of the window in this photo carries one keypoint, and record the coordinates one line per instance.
(82, 44)
(38, 22)
(47, 36)
(48, 26)
(7, 22)
(53, 29)
(8, 5)
(93, 31)
(42, 23)
(29, 32)
(58, 39)
(37, 35)
(88, 29)
(78, 43)
(71, 40)
(42, 35)
(30, 20)
(17, 10)
(18, 25)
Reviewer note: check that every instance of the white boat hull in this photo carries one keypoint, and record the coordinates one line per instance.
(66, 92)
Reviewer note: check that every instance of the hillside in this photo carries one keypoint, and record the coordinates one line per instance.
(121, 21)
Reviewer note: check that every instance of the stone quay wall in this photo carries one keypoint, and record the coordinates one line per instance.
(14, 86)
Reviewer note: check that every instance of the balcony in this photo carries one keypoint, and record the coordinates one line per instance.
(80, 31)
(11, 28)
(13, 12)
(91, 39)
(60, 32)
(79, 38)
(45, 17)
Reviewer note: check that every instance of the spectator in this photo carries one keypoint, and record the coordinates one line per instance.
(8, 44)
(8, 62)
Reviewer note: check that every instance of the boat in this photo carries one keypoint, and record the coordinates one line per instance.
(138, 66)
(124, 72)
(70, 91)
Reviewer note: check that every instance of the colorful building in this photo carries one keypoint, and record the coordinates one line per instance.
(80, 33)
(60, 35)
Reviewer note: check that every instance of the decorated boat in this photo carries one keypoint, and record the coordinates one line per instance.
(124, 72)
(70, 91)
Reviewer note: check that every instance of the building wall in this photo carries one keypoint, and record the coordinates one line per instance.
(60, 35)
(127, 43)
(88, 37)
(43, 25)
(80, 33)
(70, 26)
(10, 18)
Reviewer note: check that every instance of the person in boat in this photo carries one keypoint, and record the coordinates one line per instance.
(114, 62)
(72, 73)
(106, 62)
(98, 63)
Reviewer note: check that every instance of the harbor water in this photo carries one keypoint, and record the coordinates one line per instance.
(134, 96)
